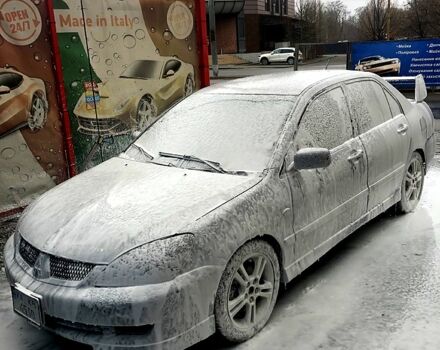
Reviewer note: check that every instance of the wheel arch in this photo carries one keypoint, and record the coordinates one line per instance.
(422, 154)
(273, 242)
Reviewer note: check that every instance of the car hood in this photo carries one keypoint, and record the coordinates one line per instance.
(125, 86)
(121, 204)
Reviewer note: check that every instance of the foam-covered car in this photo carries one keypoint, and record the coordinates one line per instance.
(133, 100)
(230, 194)
(23, 102)
(379, 65)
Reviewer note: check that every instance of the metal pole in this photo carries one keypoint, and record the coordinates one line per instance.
(388, 19)
(212, 37)
(295, 68)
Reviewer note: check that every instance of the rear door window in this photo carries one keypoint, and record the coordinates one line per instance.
(368, 104)
(326, 122)
(394, 105)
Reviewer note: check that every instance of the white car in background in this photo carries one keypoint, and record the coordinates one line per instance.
(281, 55)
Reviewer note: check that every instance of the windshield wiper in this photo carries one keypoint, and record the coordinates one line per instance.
(143, 151)
(213, 165)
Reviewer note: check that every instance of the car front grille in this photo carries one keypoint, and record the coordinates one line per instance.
(105, 127)
(60, 268)
(68, 269)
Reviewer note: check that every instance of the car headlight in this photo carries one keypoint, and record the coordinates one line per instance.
(156, 262)
(122, 104)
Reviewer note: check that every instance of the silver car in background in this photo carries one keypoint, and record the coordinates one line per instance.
(230, 194)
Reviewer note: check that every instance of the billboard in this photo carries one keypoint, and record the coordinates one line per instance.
(124, 63)
(398, 58)
(32, 156)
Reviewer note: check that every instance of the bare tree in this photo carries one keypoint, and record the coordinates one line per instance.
(334, 18)
(373, 20)
(309, 12)
(418, 17)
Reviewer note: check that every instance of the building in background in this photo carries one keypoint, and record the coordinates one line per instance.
(254, 25)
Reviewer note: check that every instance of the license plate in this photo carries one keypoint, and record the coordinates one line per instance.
(27, 304)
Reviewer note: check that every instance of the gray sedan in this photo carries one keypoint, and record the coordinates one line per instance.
(232, 193)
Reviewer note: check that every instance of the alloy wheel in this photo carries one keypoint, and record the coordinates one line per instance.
(37, 113)
(251, 291)
(414, 181)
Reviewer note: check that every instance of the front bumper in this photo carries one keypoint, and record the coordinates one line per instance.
(170, 315)
(102, 126)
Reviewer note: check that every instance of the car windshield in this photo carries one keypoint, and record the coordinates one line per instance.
(143, 69)
(373, 58)
(238, 132)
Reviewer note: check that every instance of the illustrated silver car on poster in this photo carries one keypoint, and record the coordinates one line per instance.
(379, 65)
(231, 193)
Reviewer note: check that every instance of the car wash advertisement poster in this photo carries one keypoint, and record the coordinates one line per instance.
(399, 58)
(124, 63)
(31, 141)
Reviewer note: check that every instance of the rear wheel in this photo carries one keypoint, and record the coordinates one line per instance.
(146, 111)
(264, 61)
(291, 61)
(412, 184)
(247, 292)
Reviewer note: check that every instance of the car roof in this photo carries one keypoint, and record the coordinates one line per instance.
(286, 83)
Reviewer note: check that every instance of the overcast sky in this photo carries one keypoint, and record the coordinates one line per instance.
(354, 4)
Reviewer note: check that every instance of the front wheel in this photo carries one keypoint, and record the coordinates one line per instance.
(412, 184)
(146, 111)
(189, 86)
(38, 114)
(264, 61)
(247, 292)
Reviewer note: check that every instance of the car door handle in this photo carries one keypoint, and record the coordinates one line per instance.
(403, 128)
(357, 154)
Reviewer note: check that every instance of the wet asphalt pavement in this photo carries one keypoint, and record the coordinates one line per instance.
(379, 289)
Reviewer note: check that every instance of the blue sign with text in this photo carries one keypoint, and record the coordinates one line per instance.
(399, 58)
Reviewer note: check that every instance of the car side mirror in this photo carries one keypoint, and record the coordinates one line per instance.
(310, 158)
(4, 90)
(170, 73)
(421, 92)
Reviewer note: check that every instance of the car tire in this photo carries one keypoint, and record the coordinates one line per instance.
(189, 86)
(412, 184)
(252, 279)
(37, 116)
(291, 61)
(146, 110)
(264, 61)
